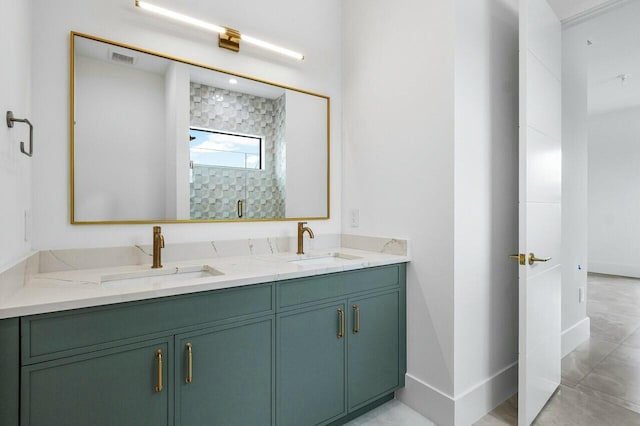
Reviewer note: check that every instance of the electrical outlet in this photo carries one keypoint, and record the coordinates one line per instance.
(581, 295)
(355, 218)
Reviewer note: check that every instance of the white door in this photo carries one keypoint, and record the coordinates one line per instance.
(539, 208)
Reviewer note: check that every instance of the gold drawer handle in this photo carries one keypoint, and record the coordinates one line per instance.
(189, 378)
(158, 387)
(356, 311)
(341, 331)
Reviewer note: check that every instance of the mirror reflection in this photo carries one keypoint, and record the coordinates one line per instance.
(159, 139)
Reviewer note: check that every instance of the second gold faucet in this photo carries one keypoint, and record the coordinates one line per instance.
(301, 230)
(158, 245)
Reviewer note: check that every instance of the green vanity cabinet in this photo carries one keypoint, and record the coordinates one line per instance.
(341, 344)
(103, 365)
(121, 386)
(317, 350)
(225, 375)
(311, 365)
(10, 372)
(374, 346)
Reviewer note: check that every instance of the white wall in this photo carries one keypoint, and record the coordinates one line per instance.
(15, 92)
(486, 200)
(298, 25)
(398, 157)
(306, 155)
(114, 178)
(575, 325)
(177, 100)
(614, 193)
(431, 155)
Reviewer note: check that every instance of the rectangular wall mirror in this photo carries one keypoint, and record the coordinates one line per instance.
(160, 139)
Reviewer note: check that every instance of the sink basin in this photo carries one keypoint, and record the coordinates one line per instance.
(157, 276)
(322, 259)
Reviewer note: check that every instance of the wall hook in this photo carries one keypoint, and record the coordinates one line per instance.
(10, 122)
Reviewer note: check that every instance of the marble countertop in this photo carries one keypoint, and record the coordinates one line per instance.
(64, 290)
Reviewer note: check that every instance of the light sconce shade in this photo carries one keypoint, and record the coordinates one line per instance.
(227, 38)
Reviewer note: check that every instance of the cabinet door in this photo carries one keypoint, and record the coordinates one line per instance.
(112, 387)
(311, 365)
(225, 375)
(374, 351)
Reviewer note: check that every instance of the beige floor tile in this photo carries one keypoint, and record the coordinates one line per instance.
(618, 375)
(580, 362)
(633, 340)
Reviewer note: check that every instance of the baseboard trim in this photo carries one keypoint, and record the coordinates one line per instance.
(428, 401)
(465, 409)
(620, 269)
(575, 335)
(472, 405)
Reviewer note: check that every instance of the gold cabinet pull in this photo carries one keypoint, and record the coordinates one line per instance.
(533, 258)
(341, 330)
(159, 356)
(240, 208)
(356, 311)
(189, 378)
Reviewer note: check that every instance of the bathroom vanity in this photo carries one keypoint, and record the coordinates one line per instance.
(316, 349)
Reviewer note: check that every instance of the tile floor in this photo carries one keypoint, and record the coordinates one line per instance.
(600, 379)
(393, 413)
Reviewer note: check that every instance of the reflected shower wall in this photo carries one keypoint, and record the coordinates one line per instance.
(215, 191)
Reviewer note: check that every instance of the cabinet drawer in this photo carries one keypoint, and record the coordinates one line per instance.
(313, 289)
(50, 336)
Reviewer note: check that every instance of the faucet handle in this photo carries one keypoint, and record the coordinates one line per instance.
(157, 229)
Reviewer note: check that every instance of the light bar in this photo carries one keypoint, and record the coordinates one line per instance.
(228, 38)
(180, 17)
(272, 47)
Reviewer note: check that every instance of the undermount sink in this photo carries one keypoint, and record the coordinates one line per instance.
(157, 276)
(322, 259)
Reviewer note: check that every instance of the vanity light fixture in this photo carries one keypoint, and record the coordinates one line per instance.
(227, 37)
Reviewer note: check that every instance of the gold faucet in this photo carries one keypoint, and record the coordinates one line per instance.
(301, 230)
(158, 245)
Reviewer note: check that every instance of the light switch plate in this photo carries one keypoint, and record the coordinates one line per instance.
(27, 225)
(355, 218)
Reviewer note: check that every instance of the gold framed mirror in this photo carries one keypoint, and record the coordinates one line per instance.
(159, 139)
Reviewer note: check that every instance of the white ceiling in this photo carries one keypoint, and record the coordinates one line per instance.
(566, 9)
(615, 51)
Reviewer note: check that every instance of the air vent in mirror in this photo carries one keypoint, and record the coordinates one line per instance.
(122, 58)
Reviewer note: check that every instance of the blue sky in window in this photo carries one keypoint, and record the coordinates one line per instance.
(219, 149)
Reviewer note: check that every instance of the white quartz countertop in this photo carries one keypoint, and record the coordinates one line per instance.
(59, 291)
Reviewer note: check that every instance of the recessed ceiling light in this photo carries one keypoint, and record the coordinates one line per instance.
(233, 81)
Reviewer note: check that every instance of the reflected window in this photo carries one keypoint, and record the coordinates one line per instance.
(208, 147)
